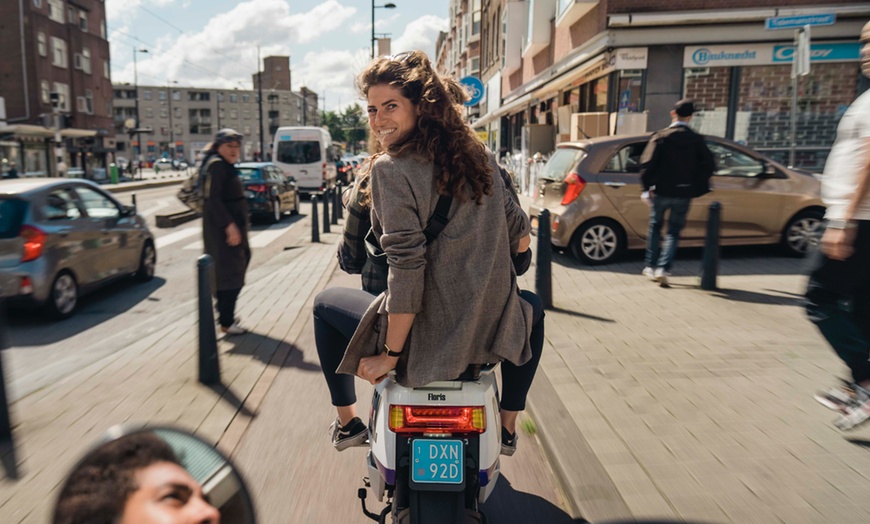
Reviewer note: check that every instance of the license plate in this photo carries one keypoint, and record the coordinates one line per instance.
(437, 461)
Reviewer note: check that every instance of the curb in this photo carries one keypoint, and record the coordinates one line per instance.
(587, 489)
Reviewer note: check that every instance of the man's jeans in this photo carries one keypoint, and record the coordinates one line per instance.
(656, 255)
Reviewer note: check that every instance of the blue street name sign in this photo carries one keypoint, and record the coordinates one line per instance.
(475, 90)
(794, 22)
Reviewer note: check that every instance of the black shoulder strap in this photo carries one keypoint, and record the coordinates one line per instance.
(439, 220)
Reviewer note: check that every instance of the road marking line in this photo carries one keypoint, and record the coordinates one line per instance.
(172, 238)
(152, 210)
(268, 235)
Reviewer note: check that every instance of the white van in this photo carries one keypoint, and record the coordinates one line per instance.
(306, 154)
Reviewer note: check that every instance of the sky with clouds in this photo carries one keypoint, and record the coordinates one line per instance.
(213, 43)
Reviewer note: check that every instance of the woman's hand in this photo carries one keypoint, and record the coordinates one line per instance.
(838, 244)
(234, 236)
(525, 242)
(375, 369)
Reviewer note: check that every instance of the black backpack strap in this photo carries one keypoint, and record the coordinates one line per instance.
(439, 220)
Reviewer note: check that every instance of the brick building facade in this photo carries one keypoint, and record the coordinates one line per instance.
(56, 47)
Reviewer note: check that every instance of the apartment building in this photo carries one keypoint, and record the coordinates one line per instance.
(56, 50)
(182, 120)
(457, 52)
(621, 64)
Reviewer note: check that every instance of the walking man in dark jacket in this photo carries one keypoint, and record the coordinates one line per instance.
(676, 167)
(225, 225)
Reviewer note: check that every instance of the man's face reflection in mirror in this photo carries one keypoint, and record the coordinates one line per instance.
(167, 494)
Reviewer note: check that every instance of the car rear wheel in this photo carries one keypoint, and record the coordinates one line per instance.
(276, 211)
(598, 241)
(147, 263)
(295, 204)
(64, 296)
(802, 231)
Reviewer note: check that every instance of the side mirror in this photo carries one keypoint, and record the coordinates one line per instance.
(769, 170)
(96, 489)
(291, 179)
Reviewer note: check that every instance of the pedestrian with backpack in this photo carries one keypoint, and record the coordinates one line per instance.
(676, 167)
(225, 224)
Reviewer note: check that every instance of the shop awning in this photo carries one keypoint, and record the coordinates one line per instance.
(25, 131)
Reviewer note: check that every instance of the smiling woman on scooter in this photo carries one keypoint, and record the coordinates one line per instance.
(452, 298)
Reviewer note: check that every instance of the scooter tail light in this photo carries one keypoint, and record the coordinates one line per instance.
(575, 185)
(34, 242)
(419, 420)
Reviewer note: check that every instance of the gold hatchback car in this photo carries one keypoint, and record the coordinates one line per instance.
(592, 189)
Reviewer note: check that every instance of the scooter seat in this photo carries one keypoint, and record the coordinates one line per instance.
(473, 372)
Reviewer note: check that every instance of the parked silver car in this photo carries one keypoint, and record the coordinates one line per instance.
(60, 238)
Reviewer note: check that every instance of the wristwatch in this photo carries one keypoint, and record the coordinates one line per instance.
(840, 223)
(390, 352)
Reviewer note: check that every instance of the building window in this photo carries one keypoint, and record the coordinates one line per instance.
(176, 95)
(234, 114)
(44, 91)
(106, 74)
(149, 113)
(58, 52)
(63, 91)
(55, 10)
(246, 98)
(81, 104)
(176, 112)
(163, 113)
(37, 3)
(146, 94)
(161, 95)
(40, 44)
(103, 29)
(234, 98)
(83, 60)
(83, 20)
(247, 115)
(247, 130)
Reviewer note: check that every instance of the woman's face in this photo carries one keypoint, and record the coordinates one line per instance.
(167, 494)
(392, 117)
(230, 151)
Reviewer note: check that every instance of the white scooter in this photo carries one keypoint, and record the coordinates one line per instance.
(434, 455)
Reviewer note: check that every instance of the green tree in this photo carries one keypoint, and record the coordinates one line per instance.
(333, 121)
(354, 123)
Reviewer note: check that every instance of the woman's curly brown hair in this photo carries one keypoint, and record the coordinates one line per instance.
(441, 137)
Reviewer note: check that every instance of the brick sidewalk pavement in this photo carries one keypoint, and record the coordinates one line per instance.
(698, 405)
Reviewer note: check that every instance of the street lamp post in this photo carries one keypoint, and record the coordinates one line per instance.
(388, 5)
(136, 51)
(219, 95)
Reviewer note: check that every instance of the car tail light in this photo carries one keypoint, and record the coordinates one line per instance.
(555, 223)
(324, 170)
(34, 241)
(437, 420)
(575, 185)
(258, 188)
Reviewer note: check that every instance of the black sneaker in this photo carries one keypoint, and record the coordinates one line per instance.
(508, 442)
(355, 433)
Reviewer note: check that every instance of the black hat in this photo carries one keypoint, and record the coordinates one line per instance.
(227, 135)
(685, 107)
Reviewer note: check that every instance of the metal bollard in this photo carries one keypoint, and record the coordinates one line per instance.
(710, 264)
(315, 225)
(326, 211)
(544, 264)
(5, 419)
(209, 365)
(336, 205)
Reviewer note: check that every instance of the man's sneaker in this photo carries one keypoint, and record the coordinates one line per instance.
(855, 416)
(508, 442)
(661, 276)
(354, 433)
(235, 329)
(842, 398)
(649, 273)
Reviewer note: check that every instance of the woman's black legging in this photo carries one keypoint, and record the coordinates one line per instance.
(338, 311)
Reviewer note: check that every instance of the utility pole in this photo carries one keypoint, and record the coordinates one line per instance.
(260, 99)
(136, 51)
(171, 125)
(304, 92)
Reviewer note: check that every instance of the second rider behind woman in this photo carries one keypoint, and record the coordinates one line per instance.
(459, 292)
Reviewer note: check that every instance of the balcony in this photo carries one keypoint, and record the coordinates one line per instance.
(572, 10)
(516, 21)
(538, 35)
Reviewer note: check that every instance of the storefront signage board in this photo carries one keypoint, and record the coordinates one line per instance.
(765, 54)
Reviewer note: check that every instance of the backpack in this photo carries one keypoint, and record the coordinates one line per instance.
(191, 193)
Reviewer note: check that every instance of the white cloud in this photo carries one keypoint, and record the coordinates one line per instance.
(118, 10)
(380, 24)
(224, 52)
(421, 34)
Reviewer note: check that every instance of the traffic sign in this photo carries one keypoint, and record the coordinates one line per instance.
(794, 22)
(624, 100)
(475, 90)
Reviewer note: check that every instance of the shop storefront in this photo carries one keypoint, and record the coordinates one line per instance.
(745, 93)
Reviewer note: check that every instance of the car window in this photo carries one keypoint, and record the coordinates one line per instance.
(11, 216)
(627, 159)
(273, 174)
(561, 163)
(299, 152)
(731, 162)
(96, 204)
(60, 205)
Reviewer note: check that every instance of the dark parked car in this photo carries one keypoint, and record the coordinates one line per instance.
(345, 170)
(270, 193)
(592, 189)
(60, 238)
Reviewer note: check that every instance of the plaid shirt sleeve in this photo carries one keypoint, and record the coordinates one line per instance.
(352, 254)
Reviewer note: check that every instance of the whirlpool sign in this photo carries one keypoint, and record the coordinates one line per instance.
(765, 54)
